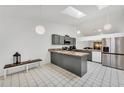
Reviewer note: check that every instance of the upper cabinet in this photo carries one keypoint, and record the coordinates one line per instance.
(55, 39)
(63, 40)
(73, 41)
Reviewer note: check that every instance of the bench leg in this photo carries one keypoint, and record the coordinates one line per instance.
(4, 73)
(26, 68)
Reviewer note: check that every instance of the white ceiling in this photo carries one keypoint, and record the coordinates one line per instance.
(88, 25)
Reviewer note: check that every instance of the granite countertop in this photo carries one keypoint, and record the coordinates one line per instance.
(70, 53)
(112, 53)
(90, 50)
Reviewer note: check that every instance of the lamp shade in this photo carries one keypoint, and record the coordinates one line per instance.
(40, 29)
(78, 32)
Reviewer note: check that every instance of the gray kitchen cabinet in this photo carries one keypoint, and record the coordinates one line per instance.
(73, 41)
(61, 40)
(55, 39)
(55, 59)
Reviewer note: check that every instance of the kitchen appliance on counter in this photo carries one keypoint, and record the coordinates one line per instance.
(113, 52)
(88, 48)
(64, 48)
(106, 49)
(67, 40)
(70, 48)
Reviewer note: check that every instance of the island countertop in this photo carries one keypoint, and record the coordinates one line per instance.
(70, 53)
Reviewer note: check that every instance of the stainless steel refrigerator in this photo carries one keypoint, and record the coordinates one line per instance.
(115, 56)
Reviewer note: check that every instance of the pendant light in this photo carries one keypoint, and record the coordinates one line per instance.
(77, 28)
(40, 29)
(78, 32)
(108, 26)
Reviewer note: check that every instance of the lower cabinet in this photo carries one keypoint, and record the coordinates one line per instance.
(61, 41)
(55, 39)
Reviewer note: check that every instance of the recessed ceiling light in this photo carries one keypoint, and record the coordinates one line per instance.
(71, 11)
(100, 7)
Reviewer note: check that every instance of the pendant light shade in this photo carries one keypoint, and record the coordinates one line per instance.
(40, 29)
(107, 27)
(78, 29)
(78, 32)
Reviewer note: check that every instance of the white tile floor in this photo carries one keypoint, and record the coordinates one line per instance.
(49, 75)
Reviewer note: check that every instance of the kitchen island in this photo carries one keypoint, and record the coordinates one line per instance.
(75, 62)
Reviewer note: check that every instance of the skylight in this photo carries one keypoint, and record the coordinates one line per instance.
(100, 7)
(71, 11)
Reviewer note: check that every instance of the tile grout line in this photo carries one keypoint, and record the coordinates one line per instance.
(110, 77)
(26, 79)
(117, 77)
(90, 75)
(49, 80)
(33, 78)
(34, 71)
(40, 77)
(96, 76)
(103, 76)
(11, 81)
(18, 79)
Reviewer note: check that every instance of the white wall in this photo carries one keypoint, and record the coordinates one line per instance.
(87, 41)
(82, 44)
(99, 37)
(19, 35)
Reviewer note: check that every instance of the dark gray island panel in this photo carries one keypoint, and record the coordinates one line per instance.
(74, 64)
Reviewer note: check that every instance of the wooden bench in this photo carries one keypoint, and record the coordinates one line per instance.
(25, 63)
